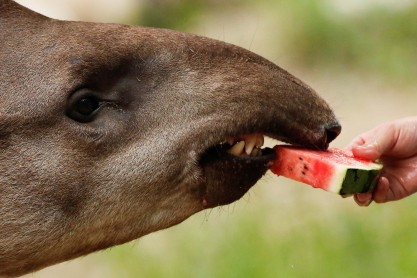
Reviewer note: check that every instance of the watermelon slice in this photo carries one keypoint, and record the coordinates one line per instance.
(333, 170)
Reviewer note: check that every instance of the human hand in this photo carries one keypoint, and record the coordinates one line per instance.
(395, 145)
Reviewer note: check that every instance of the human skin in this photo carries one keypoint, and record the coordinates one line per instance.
(395, 145)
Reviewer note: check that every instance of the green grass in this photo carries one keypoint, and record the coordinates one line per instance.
(272, 239)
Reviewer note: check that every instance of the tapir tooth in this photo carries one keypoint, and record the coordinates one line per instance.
(237, 149)
(250, 142)
(245, 144)
(259, 141)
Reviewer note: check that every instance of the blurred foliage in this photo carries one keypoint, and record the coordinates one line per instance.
(171, 14)
(180, 14)
(373, 242)
(378, 40)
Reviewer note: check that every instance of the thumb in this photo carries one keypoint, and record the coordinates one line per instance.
(368, 151)
(374, 143)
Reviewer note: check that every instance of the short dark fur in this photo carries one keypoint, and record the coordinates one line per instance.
(70, 186)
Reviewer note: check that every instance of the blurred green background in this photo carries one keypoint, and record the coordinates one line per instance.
(361, 56)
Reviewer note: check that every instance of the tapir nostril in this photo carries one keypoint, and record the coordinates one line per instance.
(332, 131)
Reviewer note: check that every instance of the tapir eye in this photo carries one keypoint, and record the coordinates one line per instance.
(86, 106)
(83, 107)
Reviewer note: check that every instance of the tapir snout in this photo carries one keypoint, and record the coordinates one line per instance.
(109, 132)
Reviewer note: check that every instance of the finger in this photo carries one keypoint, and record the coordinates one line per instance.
(358, 141)
(382, 193)
(372, 145)
(363, 199)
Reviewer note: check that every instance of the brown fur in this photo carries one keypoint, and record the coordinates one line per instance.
(68, 188)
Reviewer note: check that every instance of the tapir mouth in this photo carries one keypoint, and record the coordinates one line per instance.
(235, 164)
(243, 145)
(243, 149)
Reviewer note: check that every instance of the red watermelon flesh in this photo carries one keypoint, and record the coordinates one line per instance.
(333, 170)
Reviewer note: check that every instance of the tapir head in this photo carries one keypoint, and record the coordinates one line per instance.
(109, 132)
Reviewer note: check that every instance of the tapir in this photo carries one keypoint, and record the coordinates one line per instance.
(109, 132)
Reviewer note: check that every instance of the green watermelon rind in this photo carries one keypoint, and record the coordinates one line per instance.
(359, 181)
(352, 180)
